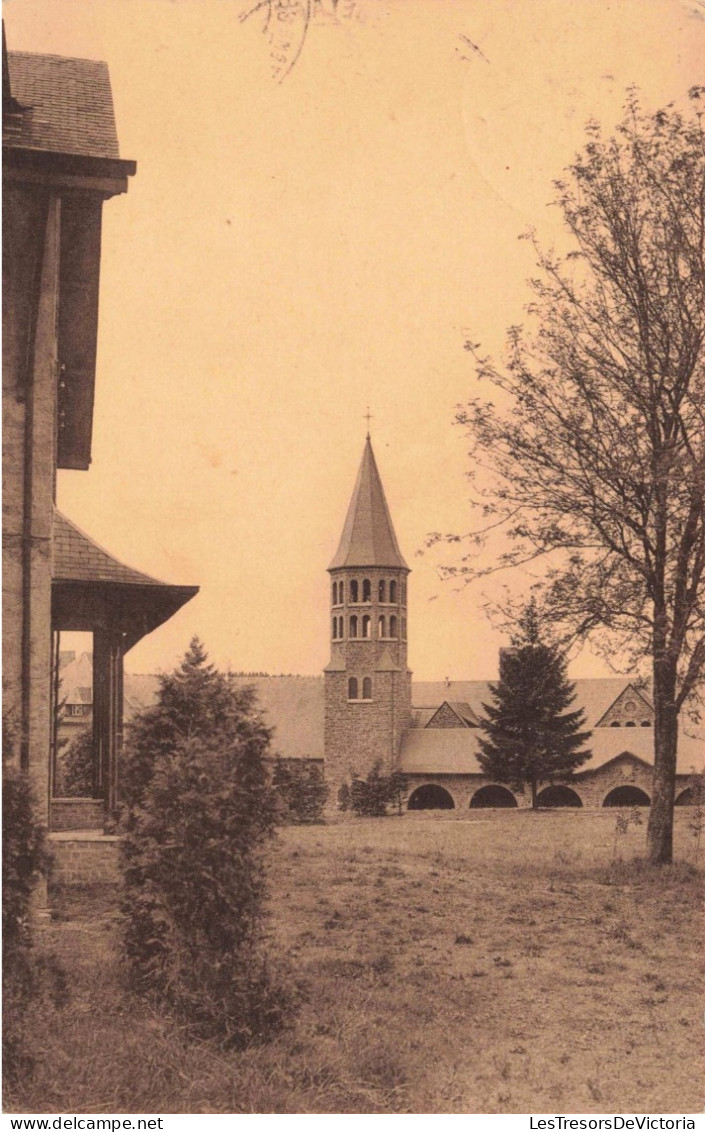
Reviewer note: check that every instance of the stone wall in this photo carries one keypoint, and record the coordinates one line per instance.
(592, 787)
(83, 859)
(76, 813)
(29, 395)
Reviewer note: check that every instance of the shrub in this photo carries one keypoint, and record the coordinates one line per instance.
(75, 770)
(301, 789)
(25, 979)
(372, 796)
(201, 810)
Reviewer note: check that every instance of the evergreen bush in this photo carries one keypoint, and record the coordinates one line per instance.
(201, 809)
(529, 735)
(25, 978)
(373, 796)
(301, 789)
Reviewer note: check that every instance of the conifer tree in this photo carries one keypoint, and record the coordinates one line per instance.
(200, 810)
(530, 735)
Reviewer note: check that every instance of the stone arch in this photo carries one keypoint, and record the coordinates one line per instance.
(627, 796)
(430, 797)
(686, 797)
(494, 797)
(553, 797)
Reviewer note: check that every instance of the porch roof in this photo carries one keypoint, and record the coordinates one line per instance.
(93, 590)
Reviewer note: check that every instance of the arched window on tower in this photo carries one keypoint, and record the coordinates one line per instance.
(352, 688)
(353, 626)
(366, 589)
(403, 628)
(403, 593)
(382, 590)
(366, 626)
(341, 592)
(367, 688)
(335, 627)
(392, 626)
(353, 592)
(335, 593)
(392, 591)
(341, 634)
(381, 626)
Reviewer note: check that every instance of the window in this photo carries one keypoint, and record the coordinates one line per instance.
(392, 591)
(353, 626)
(366, 626)
(403, 593)
(646, 723)
(340, 627)
(403, 628)
(341, 592)
(392, 626)
(367, 688)
(630, 723)
(382, 590)
(335, 593)
(381, 626)
(615, 723)
(366, 589)
(353, 592)
(335, 627)
(352, 688)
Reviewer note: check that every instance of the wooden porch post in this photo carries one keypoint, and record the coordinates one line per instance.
(107, 717)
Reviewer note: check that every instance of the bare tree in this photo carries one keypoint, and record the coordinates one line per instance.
(597, 443)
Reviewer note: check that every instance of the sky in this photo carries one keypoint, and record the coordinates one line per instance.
(320, 217)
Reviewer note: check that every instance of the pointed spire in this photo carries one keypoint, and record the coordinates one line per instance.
(368, 537)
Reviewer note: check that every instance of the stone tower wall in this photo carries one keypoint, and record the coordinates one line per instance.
(359, 733)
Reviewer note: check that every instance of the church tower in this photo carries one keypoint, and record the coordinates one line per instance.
(367, 682)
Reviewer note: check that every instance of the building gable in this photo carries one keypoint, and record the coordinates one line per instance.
(631, 709)
(453, 715)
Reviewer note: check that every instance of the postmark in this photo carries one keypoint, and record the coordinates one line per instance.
(286, 24)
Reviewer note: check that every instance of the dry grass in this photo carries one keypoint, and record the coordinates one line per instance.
(497, 963)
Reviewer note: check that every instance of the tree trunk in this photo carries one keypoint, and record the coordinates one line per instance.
(660, 827)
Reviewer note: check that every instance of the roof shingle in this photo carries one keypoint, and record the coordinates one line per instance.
(368, 537)
(66, 106)
(77, 558)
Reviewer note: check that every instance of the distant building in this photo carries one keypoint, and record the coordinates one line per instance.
(367, 709)
(60, 163)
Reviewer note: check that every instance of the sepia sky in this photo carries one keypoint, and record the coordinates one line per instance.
(293, 251)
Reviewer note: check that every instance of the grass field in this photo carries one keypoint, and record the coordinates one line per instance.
(505, 962)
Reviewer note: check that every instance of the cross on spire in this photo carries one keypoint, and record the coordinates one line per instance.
(368, 417)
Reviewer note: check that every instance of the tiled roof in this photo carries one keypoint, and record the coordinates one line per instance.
(139, 691)
(66, 106)
(77, 558)
(76, 680)
(368, 537)
(454, 750)
(292, 705)
(594, 696)
(439, 750)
